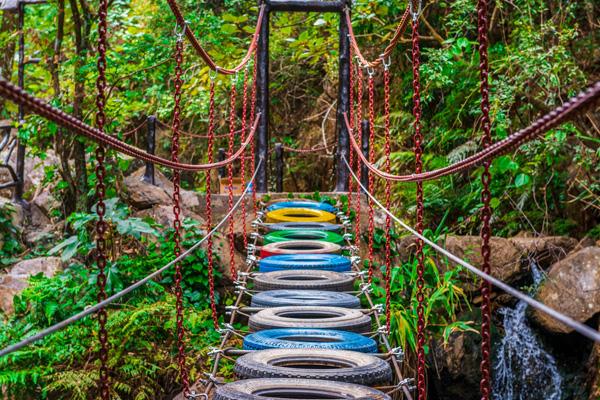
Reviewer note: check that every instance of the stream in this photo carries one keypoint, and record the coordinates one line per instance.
(523, 369)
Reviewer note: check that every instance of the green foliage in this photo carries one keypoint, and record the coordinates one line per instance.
(10, 244)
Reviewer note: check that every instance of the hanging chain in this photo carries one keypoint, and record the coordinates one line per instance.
(388, 195)
(177, 213)
(231, 221)
(371, 94)
(486, 211)
(357, 129)
(418, 139)
(243, 158)
(351, 115)
(209, 241)
(101, 224)
(253, 145)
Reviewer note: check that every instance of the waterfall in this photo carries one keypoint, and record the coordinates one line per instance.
(523, 370)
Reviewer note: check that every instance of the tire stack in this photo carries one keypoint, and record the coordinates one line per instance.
(309, 337)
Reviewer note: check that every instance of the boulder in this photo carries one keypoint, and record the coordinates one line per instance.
(163, 214)
(506, 259)
(15, 280)
(46, 202)
(545, 250)
(572, 288)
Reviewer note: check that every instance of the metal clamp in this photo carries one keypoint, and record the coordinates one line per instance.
(255, 235)
(383, 330)
(408, 383)
(415, 15)
(398, 353)
(251, 260)
(179, 34)
(378, 308)
(193, 396)
(355, 260)
(386, 65)
(365, 288)
(214, 351)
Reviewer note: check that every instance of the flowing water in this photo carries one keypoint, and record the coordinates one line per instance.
(523, 370)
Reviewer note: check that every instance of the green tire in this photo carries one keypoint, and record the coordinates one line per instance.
(304, 234)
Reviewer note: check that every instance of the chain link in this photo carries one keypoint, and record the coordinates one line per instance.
(388, 196)
(243, 158)
(230, 236)
(418, 140)
(357, 125)
(177, 214)
(371, 94)
(252, 146)
(486, 211)
(351, 114)
(209, 241)
(101, 224)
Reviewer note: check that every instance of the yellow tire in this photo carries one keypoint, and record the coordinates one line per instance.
(299, 215)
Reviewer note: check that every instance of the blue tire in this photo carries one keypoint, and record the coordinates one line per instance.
(321, 226)
(309, 339)
(303, 204)
(280, 298)
(322, 262)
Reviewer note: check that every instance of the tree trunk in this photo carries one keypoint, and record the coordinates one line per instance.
(7, 55)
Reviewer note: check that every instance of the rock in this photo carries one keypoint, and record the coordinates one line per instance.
(545, 250)
(142, 195)
(506, 259)
(572, 288)
(15, 280)
(46, 202)
(163, 214)
(34, 172)
(457, 367)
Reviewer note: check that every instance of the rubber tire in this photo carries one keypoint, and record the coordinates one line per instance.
(303, 204)
(280, 388)
(323, 262)
(323, 339)
(304, 279)
(334, 365)
(344, 319)
(322, 226)
(320, 298)
(302, 247)
(299, 215)
(303, 234)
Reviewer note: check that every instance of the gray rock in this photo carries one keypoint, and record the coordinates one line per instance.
(572, 288)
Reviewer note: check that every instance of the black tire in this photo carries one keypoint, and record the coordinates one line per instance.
(322, 226)
(321, 298)
(304, 279)
(335, 365)
(338, 318)
(282, 388)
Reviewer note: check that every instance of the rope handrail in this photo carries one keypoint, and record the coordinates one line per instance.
(203, 53)
(40, 107)
(537, 128)
(91, 310)
(400, 29)
(571, 323)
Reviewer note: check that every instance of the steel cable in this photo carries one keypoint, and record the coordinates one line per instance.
(571, 323)
(92, 309)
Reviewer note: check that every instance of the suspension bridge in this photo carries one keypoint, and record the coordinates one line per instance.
(305, 291)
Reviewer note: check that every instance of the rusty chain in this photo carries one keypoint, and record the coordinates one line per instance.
(209, 242)
(371, 109)
(388, 195)
(243, 159)
(252, 146)
(101, 224)
(230, 235)
(418, 150)
(357, 122)
(351, 101)
(486, 211)
(178, 82)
